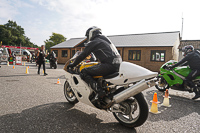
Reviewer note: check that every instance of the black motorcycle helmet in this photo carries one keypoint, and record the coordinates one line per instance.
(92, 32)
(187, 49)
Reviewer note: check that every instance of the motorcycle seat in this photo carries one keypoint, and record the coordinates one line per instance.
(111, 75)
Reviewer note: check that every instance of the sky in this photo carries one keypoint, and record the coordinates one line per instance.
(71, 18)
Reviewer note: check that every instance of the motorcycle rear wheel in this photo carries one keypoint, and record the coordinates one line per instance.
(69, 94)
(162, 85)
(135, 111)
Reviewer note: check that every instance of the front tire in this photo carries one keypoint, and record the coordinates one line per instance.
(69, 94)
(55, 66)
(162, 84)
(135, 111)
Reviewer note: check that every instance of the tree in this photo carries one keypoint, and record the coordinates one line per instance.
(55, 39)
(13, 34)
(5, 35)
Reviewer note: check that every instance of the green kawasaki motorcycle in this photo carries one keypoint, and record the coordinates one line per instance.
(174, 78)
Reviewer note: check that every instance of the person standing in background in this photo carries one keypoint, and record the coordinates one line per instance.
(41, 60)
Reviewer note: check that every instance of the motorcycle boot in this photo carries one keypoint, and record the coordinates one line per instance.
(93, 84)
(197, 93)
(100, 92)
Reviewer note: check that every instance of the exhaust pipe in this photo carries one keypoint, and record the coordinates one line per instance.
(133, 90)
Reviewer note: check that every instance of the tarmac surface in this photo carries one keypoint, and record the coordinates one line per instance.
(34, 103)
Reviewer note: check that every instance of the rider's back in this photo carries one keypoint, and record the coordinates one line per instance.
(193, 59)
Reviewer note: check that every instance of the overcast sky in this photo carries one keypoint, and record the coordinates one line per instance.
(72, 18)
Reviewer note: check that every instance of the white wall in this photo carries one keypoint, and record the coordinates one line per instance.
(175, 50)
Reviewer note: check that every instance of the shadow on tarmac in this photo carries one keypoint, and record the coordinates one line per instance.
(57, 117)
(19, 75)
(180, 107)
(60, 77)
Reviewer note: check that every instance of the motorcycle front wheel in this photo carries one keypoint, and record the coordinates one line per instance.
(55, 66)
(162, 84)
(134, 111)
(69, 94)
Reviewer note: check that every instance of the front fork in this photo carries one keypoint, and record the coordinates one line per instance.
(160, 79)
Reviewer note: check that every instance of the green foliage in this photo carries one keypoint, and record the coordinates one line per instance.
(55, 39)
(13, 34)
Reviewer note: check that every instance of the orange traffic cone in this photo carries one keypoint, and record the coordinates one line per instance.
(27, 70)
(13, 67)
(166, 99)
(28, 67)
(58, 82)
(154, 106)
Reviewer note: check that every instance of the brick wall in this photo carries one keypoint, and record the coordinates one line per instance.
(145, 56)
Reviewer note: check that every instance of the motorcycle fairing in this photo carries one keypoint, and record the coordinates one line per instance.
(172, 78)
(168, 75)
(80, 88)
(129, 73)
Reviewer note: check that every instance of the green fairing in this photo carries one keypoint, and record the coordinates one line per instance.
(166, 74)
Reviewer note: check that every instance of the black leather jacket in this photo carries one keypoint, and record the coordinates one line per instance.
(41, 57)
(192, 59)
(103, 49)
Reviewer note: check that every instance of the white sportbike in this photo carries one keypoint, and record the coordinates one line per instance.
(124, 96)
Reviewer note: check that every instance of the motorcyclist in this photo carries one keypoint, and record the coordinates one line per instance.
(192, 58)
(52, 55)
(105, 51)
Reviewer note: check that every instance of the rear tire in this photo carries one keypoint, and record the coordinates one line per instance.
(69, 94)
(135, 111)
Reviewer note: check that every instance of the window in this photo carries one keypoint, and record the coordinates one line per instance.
(56, 52)
(119, 51)
(134, 55)
(73, 53)
(157, 55)
(64, 53)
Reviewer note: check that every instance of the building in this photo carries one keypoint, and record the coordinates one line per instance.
(149, 50)
(183, 43)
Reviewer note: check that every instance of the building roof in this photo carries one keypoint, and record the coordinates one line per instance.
(194, 43)
(69, 43)
(161, 39)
